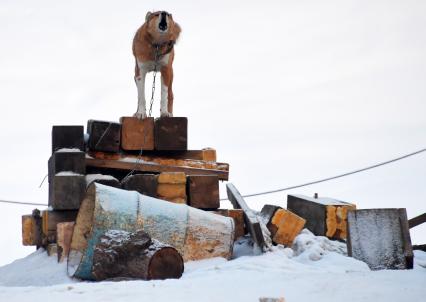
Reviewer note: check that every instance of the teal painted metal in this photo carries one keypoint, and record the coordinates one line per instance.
(128, 210)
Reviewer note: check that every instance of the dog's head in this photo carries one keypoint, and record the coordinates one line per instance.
(161, 26)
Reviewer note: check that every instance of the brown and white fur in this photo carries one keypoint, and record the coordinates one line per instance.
(158, 29)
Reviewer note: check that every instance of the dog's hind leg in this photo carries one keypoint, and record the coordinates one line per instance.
(166, 93)
(140, 75)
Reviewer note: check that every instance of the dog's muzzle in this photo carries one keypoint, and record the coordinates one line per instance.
(163, 22)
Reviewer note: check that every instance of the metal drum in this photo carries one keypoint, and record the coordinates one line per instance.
(196, 234)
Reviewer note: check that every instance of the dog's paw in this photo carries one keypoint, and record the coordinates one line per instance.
(140, 115)
(165, 114)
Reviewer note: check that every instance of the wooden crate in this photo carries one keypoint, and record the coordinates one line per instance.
(104, 136)
(171, 133)
(203, 191)
(324, 216)
(137, 134)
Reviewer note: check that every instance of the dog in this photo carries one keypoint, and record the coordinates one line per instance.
(154, 42)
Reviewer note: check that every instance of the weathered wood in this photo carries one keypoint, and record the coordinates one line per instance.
(66, 191)
(189, 167)
(32, 229)
(64, 231)
(172, 187)
(381, 238)
(104, 136)
(67, 137)
(203, 191)
(420, 247)
(71, 160)
(122, 254)
(238, 216)
(172, 178)
(413, 222)
(283, 224)
(137, 134)
(106, 180)
(145, 184)
(171, 191)
(171, 133)
(51, 218)
(52, 249)
(250, 218)
(324, 216)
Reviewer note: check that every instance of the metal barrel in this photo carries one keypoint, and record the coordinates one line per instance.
(196, 234)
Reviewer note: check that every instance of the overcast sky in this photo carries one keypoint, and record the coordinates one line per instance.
(286, 91)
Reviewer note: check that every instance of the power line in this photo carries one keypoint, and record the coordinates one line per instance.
(334, 177)
(282, 189)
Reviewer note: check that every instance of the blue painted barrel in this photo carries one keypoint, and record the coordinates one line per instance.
(196, 234)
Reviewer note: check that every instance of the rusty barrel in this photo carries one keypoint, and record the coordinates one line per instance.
(196, 234)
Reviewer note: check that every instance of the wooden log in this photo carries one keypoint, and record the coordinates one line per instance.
(413, 222)
(67, 137)
(51, 218)
(156, 164)
(324, 216)
(172, 178)
(64, 231)
(66, 191)
(172, 187)
(70, 160)
(171, 133)
(104, 136)
(32, 229)
(420, 247)
(238, 216)
(106, 180)
(250, 219)
(122, 254)
(137, 134)
(380, 238)
(145, 184)
(203, 191)
(52, 249)
(283, 224)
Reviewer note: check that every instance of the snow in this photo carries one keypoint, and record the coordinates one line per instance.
(93, 177)
(68, 173)
(68, 150)
(315, 269)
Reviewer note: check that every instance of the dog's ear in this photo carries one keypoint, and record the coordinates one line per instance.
(148, 14)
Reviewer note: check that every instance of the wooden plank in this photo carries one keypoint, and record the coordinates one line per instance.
(413, 222)
(324, 216)
(420, 247)
(137, 134)
(171, 133)
(32, 229)
(64, 231)
(381, 238)
(172, 178)
(106, 180)
(104, 136)
(133, 164)
(250, 218)
(67, 137)
(203, 191)
(66, 160)
(51, 218)
(145, 184)
(66, 191)
(238, 216)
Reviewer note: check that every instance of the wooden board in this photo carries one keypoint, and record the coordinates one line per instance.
(137, 134)
(251, 221)
(413, 222)
(172, 178)
(32, 229)
(324, 216)
(66, 191)
(106, 180)
(238, 216)
(51, 218)
(171, 133)
(203, 191)
(67, 137)
(63, 160)
(380, 238)
(189, 167)
(145, 184)
(64, 231)
(104, 136)
(283, 224)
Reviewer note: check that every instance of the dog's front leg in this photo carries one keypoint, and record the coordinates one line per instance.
(166, 93)
(140, 84)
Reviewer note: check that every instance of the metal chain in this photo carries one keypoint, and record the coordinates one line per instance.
(151, 102)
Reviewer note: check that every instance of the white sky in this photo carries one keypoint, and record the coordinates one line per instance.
(286, 91)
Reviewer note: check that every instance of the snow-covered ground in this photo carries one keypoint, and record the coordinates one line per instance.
(315, 269)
